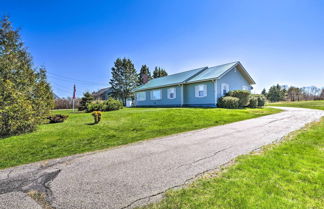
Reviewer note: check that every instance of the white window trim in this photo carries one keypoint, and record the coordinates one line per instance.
(137, 96)
(175, 92)
(151, 96)
(224, 86)
(197, 90)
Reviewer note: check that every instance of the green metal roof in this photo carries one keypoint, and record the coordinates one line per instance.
(212, 72)
(195, 75)
(170, 79)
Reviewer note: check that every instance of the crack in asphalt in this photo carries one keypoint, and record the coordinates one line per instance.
(210, 156)
(177, 186)
(8, 174)
(203, 158)
(197, 175)
(37, 180)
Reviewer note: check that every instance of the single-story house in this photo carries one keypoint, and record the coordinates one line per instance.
(103, 94)
(199, 87)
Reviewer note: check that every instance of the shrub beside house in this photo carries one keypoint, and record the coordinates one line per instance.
(241, 99)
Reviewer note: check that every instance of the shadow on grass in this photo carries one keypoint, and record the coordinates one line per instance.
(91, 124)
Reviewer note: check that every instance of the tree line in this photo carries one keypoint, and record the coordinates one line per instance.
(278, 93)
(124, 78)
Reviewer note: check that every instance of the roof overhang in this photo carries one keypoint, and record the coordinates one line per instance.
(242, 70)
(157, 87)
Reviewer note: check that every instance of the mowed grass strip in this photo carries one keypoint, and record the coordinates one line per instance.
(77, 135)
(285, 176)
(318, 104)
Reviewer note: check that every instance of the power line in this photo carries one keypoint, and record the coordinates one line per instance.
(63, 90)
(61, 87)
(65, 83)
(73, 79)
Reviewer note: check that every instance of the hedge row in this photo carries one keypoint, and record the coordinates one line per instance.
(240, 99)
(107, 105)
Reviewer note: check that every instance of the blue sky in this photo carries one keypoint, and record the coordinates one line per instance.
(78, 41)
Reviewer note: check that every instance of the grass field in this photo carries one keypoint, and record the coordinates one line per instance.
(78, 135)
(285, 176)
(305, 104)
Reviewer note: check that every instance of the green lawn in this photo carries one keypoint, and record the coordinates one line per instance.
(319, 104)
(77, 135)
(285, 176)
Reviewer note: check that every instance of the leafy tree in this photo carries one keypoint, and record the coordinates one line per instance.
(124, 79)
(321, 96)
(25, 95)
(276, 93)
(294, 93)
(144, 76)
(85, 100)
(159, 72)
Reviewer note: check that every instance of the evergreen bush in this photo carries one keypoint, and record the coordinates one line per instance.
(261, 100)
(228, 102)
(85, 100)
(108, 105)
(242, 95)
(253, 102)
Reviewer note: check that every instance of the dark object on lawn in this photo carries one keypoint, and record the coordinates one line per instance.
(58, 118)
(96, 116)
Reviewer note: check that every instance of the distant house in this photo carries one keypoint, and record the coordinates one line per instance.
(103, 94)
(199, 87)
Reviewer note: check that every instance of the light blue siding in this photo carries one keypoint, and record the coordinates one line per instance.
(234, 79)
(164, 101)
(191, 100)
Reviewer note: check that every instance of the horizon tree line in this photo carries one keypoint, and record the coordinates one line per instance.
(278, 93)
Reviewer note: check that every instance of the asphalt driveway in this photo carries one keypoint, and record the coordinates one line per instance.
(139, 173)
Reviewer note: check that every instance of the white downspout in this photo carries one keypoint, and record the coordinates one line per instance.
(215, 83)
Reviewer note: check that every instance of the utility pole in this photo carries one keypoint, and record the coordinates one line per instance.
(74, 95)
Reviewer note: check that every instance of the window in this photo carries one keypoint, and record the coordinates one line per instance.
(156, 94)
(225, 89)
(201, 90)
(171, 93)
(141, 96)
(245, 88)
